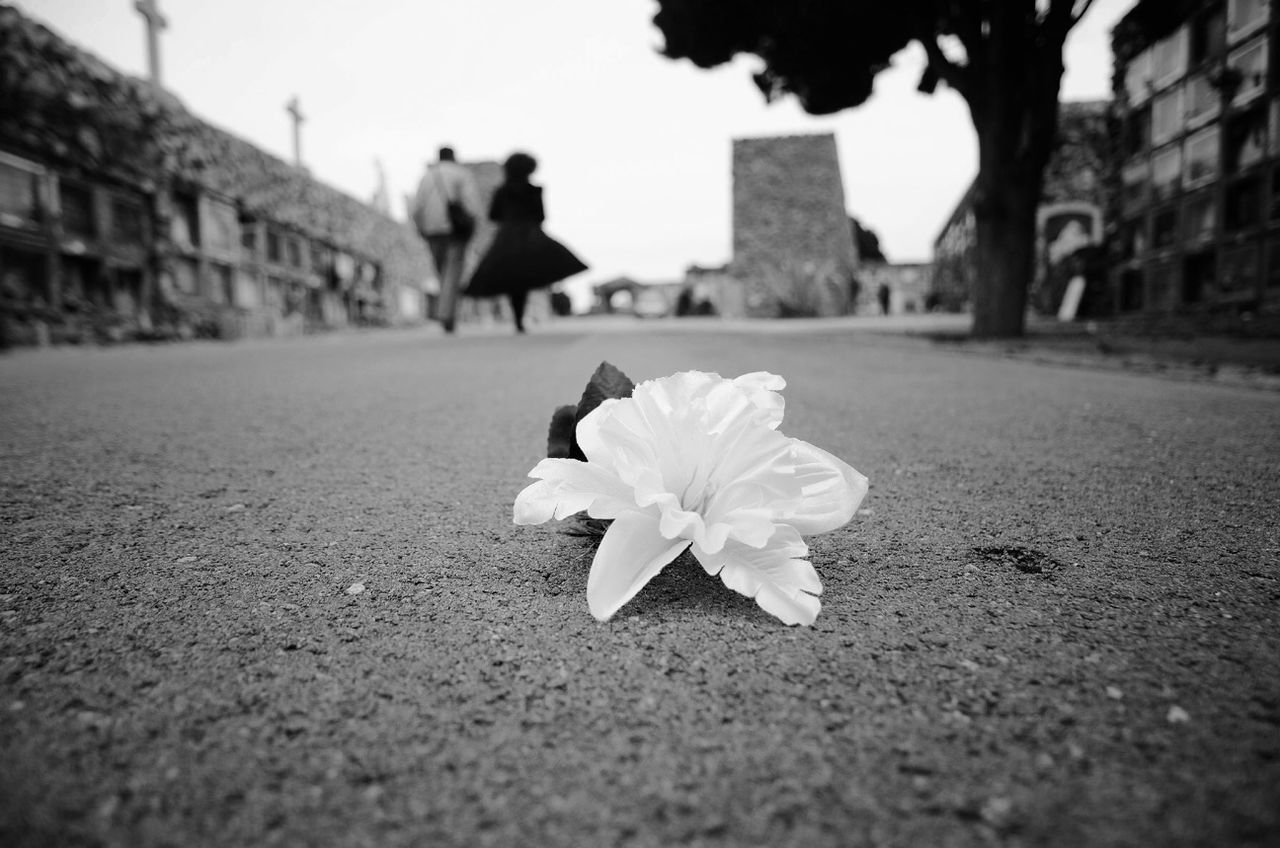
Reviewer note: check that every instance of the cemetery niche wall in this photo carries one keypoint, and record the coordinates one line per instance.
(124, 216)
(1197, 213)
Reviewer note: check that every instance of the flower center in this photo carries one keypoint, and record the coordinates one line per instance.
(698, 491)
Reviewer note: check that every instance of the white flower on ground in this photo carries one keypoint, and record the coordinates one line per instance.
(696, 461)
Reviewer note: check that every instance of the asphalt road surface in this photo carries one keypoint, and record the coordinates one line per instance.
(1055, 621)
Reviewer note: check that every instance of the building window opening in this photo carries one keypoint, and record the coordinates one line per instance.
(1136, 185)
(1243, 204)
(185, 228)
(19, 197)
(1250, 64)
(1131, 290)
(273, 246)
(1164, 228)
(128, 219)
(186, 278)
(249, 241)
(1137, 77)
(222, 288)
(1133, 239)
(1200, 221)
(1198, 273)
(1203, 100)
(1243, 16)
(1163, 280)
(1137, 132)
(1208, 36)
(77, 210)
(1169, 58)
(1239, 271)
(82, 284)
(128, 292)
(1166, 116)
(1246, 141)
(23, 277)
(1202, 154)
(1273, 263)
(1166, 172)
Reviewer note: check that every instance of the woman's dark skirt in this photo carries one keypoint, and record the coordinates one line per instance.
(522, 257)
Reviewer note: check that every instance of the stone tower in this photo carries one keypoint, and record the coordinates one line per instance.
(793, 246)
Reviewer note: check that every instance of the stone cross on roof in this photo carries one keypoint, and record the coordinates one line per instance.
(295, 111)
(156, 24)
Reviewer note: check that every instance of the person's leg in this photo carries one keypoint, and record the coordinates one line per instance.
(518, 299)
(439, 247)
(451, 282)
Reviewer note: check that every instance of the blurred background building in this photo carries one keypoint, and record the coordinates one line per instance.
(1197, 213)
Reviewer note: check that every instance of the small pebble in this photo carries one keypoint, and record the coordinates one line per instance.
(355, 588)
(1177, 715)
(996, 811)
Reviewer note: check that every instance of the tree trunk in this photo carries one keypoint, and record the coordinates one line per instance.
(1005, 217)
(1014, 79)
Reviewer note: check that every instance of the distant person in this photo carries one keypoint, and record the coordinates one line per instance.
(522, 257)
(882, 295)
(855, 289)
(561, 303)
(684, 303)
(445, 210)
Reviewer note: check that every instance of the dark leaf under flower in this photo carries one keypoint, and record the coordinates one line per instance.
(560, 442)
(607, 382)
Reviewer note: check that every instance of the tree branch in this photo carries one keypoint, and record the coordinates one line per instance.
(949, 72)
(1062, 16)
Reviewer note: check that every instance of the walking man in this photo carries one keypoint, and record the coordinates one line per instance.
(445, 211)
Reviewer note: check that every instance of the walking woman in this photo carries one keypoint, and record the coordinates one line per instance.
(522, 256)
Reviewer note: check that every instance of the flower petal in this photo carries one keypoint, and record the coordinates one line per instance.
(763, 387)
(567, 486)
(536, 504)
(593, 446)
(831, 490)
(630, 554)
(776, 576)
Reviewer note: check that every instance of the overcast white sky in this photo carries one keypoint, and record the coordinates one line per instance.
(635, 148)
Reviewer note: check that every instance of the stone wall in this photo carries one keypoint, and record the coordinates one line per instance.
(792, 248)
(92, 159)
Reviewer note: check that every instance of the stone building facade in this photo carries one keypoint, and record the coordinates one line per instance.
(123, 215)
(1071, 214)
(1197, 214)
(792, 250)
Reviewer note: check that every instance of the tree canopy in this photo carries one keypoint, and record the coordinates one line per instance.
(867, 242)
(827, 52)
